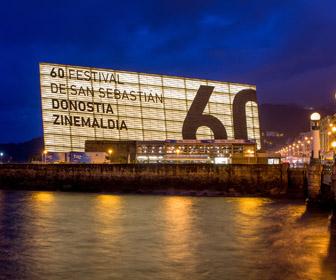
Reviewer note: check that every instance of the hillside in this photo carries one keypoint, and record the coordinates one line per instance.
(23, 152)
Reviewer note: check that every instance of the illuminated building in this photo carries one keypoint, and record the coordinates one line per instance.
(328, 137)
(183, 151)
(83, 103)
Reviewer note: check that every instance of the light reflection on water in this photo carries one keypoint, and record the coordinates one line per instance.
(180, 252)
(49, 235)
(46, 197)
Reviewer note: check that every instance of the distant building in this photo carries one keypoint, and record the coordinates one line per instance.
(271, 140)
(275, 134)
(328, 137)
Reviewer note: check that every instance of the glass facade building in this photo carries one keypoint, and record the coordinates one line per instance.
(83, 103)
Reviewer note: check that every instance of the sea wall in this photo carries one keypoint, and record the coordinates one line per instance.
(191, 179)
(297, 182)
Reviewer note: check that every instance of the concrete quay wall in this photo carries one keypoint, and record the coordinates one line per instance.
(189, 179)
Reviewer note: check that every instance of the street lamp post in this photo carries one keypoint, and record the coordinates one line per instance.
(1, 156)
(110, 151)
(315, 126)
(315, 167)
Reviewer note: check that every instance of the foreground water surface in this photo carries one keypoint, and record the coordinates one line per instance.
(51, 235)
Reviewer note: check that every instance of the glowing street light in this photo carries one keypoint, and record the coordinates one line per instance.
(315, 116)
(110, 151)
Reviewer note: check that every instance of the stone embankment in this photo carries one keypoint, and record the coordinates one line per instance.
(188, 179)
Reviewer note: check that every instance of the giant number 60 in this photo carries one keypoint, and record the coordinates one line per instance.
(195, 117)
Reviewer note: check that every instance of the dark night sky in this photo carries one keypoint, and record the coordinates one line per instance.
(286, 47)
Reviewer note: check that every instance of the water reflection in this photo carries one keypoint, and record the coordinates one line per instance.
(13, 235)
(111, 201)
(107, 206)
(45, 197)
(249, 217)
(329, 262)
(180, 235)
(247, 221)
(50, 235)
(43, 203)
(106, 215)
(300, 242)
(177, 214)
(251, 205)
